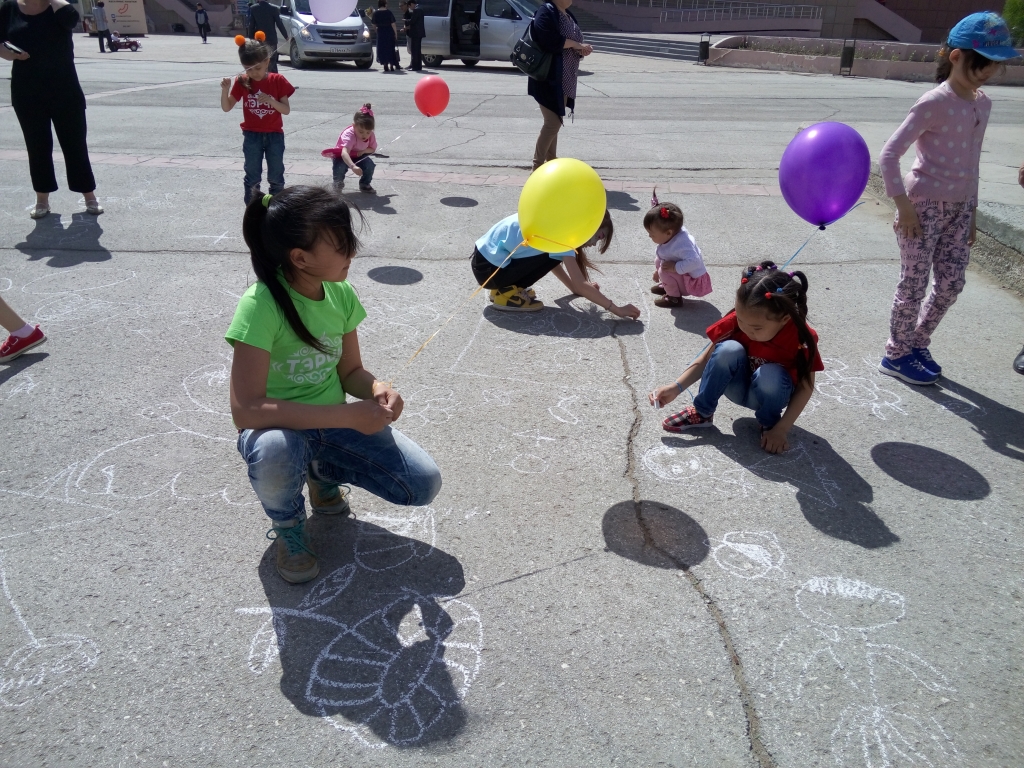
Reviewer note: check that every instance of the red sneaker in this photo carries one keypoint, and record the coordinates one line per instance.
(688, 418)
(14, 346)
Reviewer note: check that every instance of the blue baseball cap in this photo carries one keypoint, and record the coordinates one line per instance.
(986, 33)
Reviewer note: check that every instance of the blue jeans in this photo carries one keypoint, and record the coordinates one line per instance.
(766, 391)
(365, 163)
(256, 145)
(387, 464)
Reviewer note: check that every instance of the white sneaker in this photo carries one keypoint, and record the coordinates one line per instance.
(93, 207)
(39, 212)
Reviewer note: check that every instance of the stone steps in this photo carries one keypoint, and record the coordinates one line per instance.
(634, 45)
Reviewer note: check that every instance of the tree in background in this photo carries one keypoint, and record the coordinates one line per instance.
(1013, 12)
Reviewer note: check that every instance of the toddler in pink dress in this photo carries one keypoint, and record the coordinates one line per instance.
(678, 266)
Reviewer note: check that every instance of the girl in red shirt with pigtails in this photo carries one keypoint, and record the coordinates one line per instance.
(264, 98)
(762, 355)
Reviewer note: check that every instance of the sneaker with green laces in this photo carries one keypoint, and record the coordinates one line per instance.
(296, 561)
(326, 498)
(515, 299)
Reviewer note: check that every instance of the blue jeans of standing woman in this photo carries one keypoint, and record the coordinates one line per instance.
(766, 391)
(387, 464)
(365, 163)
(255, 146)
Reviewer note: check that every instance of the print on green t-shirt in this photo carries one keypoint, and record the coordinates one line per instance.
(298, 372)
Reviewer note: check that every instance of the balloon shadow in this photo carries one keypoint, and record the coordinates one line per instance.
(930, 471)
(376, 643)
(395, 275)
(459, 202)
(654, 534)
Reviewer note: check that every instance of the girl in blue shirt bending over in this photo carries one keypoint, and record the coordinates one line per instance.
(296, 358)
(510, 271)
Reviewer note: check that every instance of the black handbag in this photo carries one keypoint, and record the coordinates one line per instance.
(529, 58)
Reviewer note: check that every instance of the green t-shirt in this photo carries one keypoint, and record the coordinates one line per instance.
(299, 372)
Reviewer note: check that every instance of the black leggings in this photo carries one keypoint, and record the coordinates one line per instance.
(68, 121)
(520, 273)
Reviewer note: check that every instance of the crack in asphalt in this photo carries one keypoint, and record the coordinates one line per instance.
(761, 753)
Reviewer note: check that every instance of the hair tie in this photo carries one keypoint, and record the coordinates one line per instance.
(792, 274)
(663, 212)
(743, 280)
(266, 200)
(778, 290)
(259, 36)
(239, 40)
(654, 198)
(757, 269)
(366, 111)
(769, 295)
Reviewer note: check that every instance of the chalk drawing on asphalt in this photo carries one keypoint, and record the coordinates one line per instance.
(396, 537)
(848, 676)
(837, 383)
(43, 665)
(750, 555)
(430, 405)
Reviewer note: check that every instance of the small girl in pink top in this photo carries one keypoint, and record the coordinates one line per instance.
(354, 149)
(936, 201)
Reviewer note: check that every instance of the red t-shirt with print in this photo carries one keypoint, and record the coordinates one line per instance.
(782, 349)
(261, 118)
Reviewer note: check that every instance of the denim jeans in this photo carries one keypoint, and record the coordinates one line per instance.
(766, 391)
(387, 464)
(365, 163)
(256, 145)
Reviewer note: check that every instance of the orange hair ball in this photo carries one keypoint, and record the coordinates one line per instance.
(239, 40)
(260, 36)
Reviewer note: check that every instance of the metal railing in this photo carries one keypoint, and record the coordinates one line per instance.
(722, 10)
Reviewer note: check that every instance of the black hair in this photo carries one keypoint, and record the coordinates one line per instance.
(252, 52)
(604, 235)
(382, 3)
(973, 60)
(296, 217)
(781, 294)
(667, 217)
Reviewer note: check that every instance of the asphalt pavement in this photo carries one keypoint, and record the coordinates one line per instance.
(587, 589)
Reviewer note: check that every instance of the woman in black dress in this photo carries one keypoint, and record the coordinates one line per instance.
(387, 36)
(45, 90)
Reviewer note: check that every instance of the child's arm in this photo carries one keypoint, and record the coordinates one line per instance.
(359, 382)
(227, 102)
(252, 409)
(571, 276)
(281, 105)
(774, 440)
(346, 158)
(664, 395)
(889, 165)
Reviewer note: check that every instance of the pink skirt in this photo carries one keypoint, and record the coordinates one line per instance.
(683, 285)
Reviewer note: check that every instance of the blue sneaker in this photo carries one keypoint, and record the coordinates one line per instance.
(908, 368)
(926, 359)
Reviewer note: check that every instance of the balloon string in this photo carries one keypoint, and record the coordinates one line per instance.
(464, 303)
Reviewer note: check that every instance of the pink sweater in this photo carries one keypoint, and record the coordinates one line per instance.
(948, 132)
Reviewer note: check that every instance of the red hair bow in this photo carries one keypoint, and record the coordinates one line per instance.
(663, 212)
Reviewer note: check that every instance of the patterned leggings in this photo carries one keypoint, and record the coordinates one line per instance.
(943, 251)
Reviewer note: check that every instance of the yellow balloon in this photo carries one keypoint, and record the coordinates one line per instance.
(561, 206)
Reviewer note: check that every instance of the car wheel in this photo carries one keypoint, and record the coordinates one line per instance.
(471, 62)
(364, 63)
(134, 47)
(433, 61)
(293, 56)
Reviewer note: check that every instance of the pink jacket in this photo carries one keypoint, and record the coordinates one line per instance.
(948, 132)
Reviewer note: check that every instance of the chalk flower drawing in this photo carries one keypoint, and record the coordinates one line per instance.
(750, 555)
(871, 730)
(403, 535)
(856, 391)
(431, 405)
(44, 664)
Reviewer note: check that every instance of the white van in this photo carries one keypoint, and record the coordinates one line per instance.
(474, 30)
(311, 40)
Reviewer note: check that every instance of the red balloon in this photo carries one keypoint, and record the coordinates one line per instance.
(431, 95)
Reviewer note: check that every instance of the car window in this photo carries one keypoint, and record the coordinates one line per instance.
(435, 7)
(302, 6)
(500, 9)
(530, 6)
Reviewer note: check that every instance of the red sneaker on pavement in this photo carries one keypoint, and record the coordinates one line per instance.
(14, 346)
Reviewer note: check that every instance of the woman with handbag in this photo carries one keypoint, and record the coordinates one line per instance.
(555, 31)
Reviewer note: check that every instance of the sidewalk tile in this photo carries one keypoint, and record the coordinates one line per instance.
(685, 188)
(742, 189)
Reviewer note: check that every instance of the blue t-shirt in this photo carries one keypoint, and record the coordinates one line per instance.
(502, 239)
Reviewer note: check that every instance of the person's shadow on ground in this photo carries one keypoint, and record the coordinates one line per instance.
(373, 643)
(696, 315)
(1001, 428)
(78, 244)
(377, 203)
(833, 497)
(565, 320)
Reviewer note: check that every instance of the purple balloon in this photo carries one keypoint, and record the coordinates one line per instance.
(824, 171)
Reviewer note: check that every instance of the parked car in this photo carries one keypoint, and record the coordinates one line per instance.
(311, 40)
(474, 30)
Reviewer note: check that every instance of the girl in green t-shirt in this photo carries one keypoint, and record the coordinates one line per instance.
(296, 358)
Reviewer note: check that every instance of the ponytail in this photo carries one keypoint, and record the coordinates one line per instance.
(781, 294)
(296, 217)
(604, 235)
